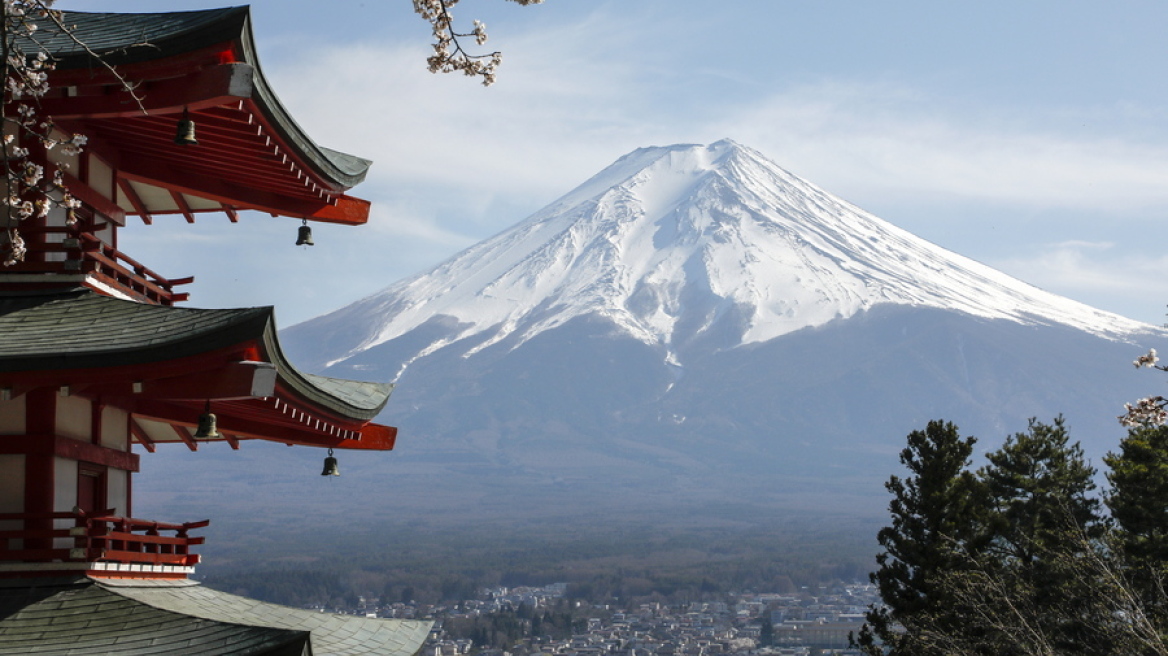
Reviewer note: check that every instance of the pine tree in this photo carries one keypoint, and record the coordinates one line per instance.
(1138, 501)
(1040, 524)
(933, 515)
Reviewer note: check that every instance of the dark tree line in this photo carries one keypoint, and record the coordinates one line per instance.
(1019, 557)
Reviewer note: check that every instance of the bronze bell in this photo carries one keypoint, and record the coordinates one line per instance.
(330, 466)
(207, 429)
(185, 134)
(305, 236)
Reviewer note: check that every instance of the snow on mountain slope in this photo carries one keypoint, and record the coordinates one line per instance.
(669, 241)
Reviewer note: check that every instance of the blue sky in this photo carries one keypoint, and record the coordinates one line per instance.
(1030, 136)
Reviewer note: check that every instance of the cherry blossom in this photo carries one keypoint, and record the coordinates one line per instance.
(449, 55)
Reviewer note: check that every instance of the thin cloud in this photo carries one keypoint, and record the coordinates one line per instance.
(1097, 273)
(891, 140)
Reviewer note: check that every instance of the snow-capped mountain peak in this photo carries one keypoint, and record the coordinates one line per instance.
(672, 243)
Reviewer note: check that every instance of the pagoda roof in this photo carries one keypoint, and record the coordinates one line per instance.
(251, 152)
(165, 364)
(65, 616)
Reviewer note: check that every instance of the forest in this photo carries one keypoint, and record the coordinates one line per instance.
(1023, 556)
(672, 565)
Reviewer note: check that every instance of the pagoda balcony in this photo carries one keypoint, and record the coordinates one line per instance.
(66, 255)
(97, 544)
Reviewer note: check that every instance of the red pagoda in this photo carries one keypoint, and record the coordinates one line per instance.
(96, 357)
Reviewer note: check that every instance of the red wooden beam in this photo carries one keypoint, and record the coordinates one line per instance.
(233, 170)
(232, 380)
(273, 428)
(92, 198)
(348, 210)
(226, 160)
(153, 69)
(211, 133)
(132, 196)
(140, 435)
(373, 436)
(209, 87)
(182, 206)
(115, 381)
(35, 444)
(185, 437)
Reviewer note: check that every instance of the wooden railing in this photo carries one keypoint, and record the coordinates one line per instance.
(86, 253)
(97, 537)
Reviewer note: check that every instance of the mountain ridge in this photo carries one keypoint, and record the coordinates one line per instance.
(668, 241)
(628, 387)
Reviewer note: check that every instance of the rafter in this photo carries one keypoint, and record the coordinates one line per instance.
(185, 437)
(140, 435)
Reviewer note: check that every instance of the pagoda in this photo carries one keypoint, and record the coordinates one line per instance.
(97, 357)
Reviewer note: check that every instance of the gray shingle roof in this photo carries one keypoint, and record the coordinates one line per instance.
(127, 38)
(79, 329)
(334, 635)
(368, 396)
(181, 617)
(81, 617)
(121, 39)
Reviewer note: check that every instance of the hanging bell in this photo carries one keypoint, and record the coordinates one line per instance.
(305, 236)
(185, 134)
(207, 429)
(330, 466)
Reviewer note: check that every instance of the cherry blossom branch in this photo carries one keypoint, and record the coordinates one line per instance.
(25, 78)
(1150, 411)
(449, 55)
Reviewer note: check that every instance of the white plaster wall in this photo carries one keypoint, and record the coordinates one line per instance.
(64, 496)
(115, 429)
(11, 483)
(56, 218)
(101, 177)
(65, 488)
(117, 487)
(73, 417)
(12, 416)
(12, 493)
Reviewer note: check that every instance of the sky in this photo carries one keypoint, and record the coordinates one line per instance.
(1031, 136)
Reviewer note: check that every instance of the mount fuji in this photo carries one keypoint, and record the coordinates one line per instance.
(695, 332)
(670, 245)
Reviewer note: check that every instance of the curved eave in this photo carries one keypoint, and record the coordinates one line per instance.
(165, 364)
(347, 170)
(202, 61)
(349, 398)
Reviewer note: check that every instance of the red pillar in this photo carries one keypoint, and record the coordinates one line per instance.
(39, 470)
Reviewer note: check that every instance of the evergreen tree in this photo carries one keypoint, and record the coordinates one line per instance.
(933, 516)
(1139, 494)
(1016, 560)
(1138, 501)
(1040, 526)
(766, 632)
(1035, 482)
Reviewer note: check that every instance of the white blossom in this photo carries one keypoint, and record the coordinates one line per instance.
(1147, 360)
(449, 55)
(1145, 412)
(26, 76)
(16, 249)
